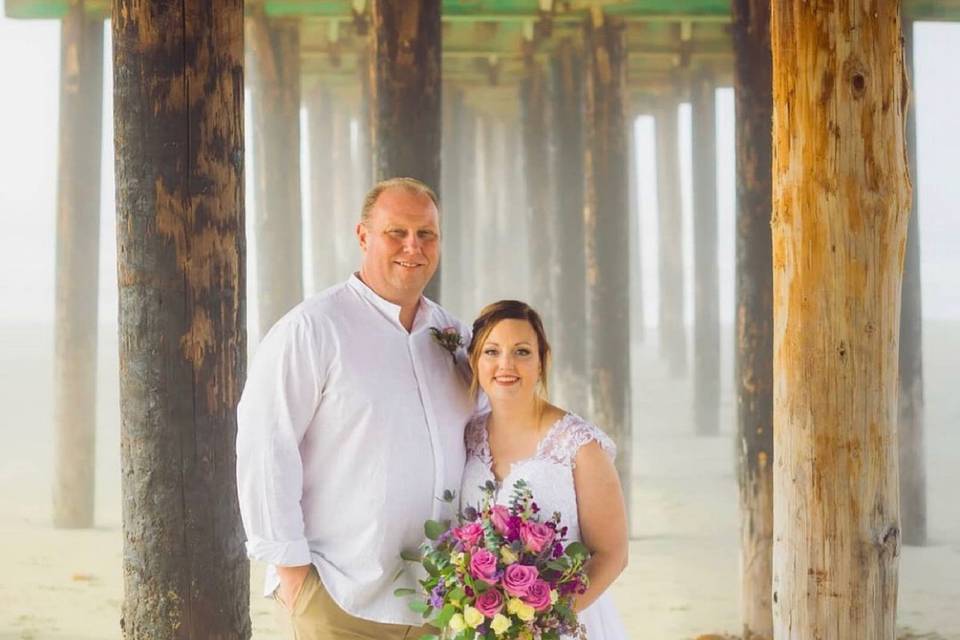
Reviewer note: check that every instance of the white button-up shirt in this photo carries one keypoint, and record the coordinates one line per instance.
(350, 429)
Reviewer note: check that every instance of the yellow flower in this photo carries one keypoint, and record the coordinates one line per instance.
(472, 617)
(500, 623)
(457, 623)
(507, 555)
(459, 559)
(554, 596)
(521, 609)
(525, 635)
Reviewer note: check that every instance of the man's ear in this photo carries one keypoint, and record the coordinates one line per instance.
(361, 232)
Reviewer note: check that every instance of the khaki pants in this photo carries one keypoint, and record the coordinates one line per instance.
(315, 616)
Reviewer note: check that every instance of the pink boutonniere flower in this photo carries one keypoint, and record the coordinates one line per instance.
(448, 338)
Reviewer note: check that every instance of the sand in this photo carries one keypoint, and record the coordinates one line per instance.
(682, 578)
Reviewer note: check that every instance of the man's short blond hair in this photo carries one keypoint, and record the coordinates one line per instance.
(411, 185)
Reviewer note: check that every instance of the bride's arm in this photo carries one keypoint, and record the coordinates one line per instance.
(603, 520)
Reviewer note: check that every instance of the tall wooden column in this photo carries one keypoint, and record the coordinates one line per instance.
(274, 73)
(706, 296)
(405, 97)
(453, 219)
(671, 329)
(178, 117)
(342, 214)
(78, 241)
(567, 159)
(754, 307)
(467, 212)
(535, 123)
(606, 225)
(841, 204)
(323, 266)
(637, 319)
(913, 472)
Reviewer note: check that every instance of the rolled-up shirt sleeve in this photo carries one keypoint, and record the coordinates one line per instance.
(278, 403)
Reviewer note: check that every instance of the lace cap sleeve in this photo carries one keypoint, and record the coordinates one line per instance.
(473, 435)
(573, 434)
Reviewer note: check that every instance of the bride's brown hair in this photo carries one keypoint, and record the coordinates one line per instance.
(489, 317)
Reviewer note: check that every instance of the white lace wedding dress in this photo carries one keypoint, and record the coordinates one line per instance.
(549, 473)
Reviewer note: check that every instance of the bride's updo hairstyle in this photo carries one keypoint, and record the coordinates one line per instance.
(489, 317)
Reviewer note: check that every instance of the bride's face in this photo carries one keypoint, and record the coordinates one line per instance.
(509, 363)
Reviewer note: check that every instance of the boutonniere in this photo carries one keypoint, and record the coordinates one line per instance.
(448, 338)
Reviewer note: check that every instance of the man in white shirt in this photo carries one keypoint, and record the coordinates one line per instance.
(350, 428)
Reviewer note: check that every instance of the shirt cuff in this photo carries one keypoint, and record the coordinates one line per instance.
(285, 554)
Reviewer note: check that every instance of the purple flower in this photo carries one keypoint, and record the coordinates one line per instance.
(557, 549)
(436, 596)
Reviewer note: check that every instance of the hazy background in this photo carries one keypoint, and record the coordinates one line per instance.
(683, 569)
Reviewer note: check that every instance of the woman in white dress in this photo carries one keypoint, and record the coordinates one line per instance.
(566, 461)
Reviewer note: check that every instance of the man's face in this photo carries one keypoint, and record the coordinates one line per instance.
(401, 245)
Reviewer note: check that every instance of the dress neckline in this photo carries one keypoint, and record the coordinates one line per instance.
(513, 465)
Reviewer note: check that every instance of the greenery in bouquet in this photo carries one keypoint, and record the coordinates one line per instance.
(500, 573)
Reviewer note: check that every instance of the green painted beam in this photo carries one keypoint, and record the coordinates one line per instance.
(497, 10)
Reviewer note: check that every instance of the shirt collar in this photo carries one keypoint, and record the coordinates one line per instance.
(388, 309)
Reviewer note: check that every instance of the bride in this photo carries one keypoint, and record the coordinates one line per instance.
(566, 461)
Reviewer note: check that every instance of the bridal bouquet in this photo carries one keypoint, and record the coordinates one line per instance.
(501, 573)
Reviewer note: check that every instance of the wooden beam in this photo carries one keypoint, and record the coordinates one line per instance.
(754, 313)
(606, 226)
(706, 280)
(273, 63)
(406, 128)
(671, 328)
(566, 97)
(77, 263)
(323, 252)
(910, 425)
(178, 118)
(841, 202)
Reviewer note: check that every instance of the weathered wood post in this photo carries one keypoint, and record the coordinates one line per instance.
(342, 213)
(274, 74)
(405, 100)
(467, 212)
(671, 329)
(323, 266)
(606, 225)
(706, 288)
(754, 312)
(77, 261)
(913, 472)
(535, 123)
(637, 318)
(453, 219)
(566, 157)
(178, 117)
(841, 204)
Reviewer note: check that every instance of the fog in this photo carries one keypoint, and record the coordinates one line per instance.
(683, 575)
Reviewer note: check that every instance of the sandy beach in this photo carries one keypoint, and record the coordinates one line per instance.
(682, 578)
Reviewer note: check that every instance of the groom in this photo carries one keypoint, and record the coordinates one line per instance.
(350, 427)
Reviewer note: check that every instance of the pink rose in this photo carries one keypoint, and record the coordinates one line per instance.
(490, 602)
(500, 517)
(518, 577)
(483, 566)
(536, 536)
(469, 534)
(538, 595)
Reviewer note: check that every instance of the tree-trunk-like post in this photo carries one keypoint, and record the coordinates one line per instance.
(535, 124)
(467, 212)
(566, 157)
(178, 117)
(754, 312)
(77, 261)
(706, 295)
(342, 214)
(451, 214)
(274, 73)
(405, 99)
(913, 472)
(671, 329)
(606, 225)
(323, 266)
(841, 204)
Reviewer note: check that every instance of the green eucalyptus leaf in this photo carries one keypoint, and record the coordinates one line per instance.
(443, 618)
(410, 556)
(403, 592)
(418, 605)
(434, 529)
(577, 550)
